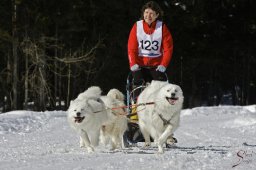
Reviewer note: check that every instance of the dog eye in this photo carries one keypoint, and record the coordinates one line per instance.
(168, 90)
(176, 90)
(82, 109)
(75, 110)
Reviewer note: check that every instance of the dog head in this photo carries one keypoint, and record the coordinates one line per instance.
(77, 111)
(85, 105)
(172, 94)
(115, 100)
(80, 109)
(116, 94)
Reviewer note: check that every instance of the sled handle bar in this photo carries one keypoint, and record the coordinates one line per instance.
(128, 85)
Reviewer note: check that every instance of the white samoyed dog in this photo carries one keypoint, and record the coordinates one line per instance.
(86, 114)
(90, 113)
(112, 131)
(160, 118)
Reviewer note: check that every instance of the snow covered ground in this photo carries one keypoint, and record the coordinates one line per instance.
(220, 137)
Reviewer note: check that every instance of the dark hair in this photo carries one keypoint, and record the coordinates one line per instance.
(155, 7)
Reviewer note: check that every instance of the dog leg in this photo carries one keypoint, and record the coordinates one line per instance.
(162, 139)
(145, 134)
(81, 142)
(103, 137)
(86, 141)
(113, 143)
(119, 141)
(95, 138)
(116, 142)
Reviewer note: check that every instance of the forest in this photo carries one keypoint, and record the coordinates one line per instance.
(53, 50)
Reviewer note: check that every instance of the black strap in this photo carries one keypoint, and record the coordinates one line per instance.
(166, 122)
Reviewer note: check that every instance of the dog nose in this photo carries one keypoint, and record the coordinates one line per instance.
(78, 114)
(173, 94)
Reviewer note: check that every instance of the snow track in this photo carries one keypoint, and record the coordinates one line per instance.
(208, 138)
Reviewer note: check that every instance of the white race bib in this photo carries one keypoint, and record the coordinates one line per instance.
(149, 45)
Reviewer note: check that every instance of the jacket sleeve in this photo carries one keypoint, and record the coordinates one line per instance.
(167, 46)
(133, 46)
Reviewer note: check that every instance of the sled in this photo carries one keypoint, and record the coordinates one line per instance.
(133, 134)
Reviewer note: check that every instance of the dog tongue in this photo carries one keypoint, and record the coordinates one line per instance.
(171, 101)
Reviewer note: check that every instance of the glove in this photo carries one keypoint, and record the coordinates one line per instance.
(135, 67)
(161, 68)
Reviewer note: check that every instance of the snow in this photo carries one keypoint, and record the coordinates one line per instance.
(208, 138)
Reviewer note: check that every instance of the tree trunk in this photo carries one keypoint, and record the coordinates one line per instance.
(59, 86)
(42, 88)
(26, 85)
(248, 79)
(55, 68)
(15, 57)
(7, 97)
(69, 78)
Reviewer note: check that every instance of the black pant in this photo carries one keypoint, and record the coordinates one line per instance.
(145, 75)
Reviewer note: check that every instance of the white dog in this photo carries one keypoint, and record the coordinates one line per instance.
(114, 129)
(91, 113)
(86, 114)
(160, 119)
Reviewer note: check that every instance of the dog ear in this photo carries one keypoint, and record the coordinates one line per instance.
(100, 101)
(116, 94)
(96, 104)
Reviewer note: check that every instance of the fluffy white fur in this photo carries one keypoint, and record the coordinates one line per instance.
(160, 119)
(90, 113)
(86, 114)
(112, 132)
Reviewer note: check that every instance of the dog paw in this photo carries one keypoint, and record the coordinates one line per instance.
(147, 144)
(160, 150)
(113, 148)
(90, 149)
(171, 140)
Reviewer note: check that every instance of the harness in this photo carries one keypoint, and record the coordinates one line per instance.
(165, 121)
(123, 107)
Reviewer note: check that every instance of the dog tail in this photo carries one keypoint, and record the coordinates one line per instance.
(93, 92)
(116, 94)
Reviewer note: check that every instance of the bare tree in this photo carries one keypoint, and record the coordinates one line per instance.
(35, 76)
(61, 66)
(76, 58)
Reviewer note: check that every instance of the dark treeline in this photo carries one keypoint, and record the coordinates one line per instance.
(52, 50)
